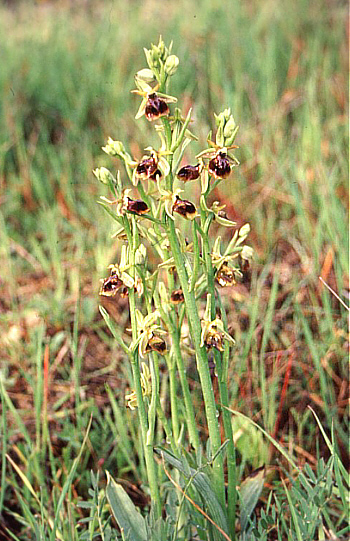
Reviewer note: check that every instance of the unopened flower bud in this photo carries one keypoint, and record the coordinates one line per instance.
(161, 47)
(247, 253)
(152, 56)
(230, 130)
(171, 64)
(104, 175)
(155, 54)
(140, 254)
(160, 51)
(114, 148)
(244, 231)
(227, 128)
(146, 75)
(222, 117)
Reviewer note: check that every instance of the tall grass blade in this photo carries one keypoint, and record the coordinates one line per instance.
(68, 483)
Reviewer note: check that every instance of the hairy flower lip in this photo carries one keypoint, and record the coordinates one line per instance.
(225, 276)
(184, 208)
(124, 292)
(156, 175)
(213, 331)
(220, 161)
(189, 172)
(154, 104)
(177, 296)
(146, 168)
(152, 167)
(219, 166)
(156, 343)
(214, 340)
(111, 285)
(155, 107)
(137, 206)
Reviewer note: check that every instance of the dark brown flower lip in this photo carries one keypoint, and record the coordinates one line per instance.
(146, 168)
(189, 172)
(156, 343)
(184, 208)
(177, 296)
(124, 292)
(137, 206)
(155, 107)
(219, 166)
(156, 175)
(111, 285)
(214, 340)
(225, 276)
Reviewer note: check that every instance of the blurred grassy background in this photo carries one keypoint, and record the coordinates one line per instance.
(66, 74)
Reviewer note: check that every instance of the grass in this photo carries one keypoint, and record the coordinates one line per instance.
(65, 80)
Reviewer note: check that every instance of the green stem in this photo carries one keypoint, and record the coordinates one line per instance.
(195, 330)
(202, 362)
(174, 400)
(190, 416)
(174, 329)
(167, 131)
(155, 394)
(196, 256)
(146, 438)
(167, 428)
(191, 421)
(231, 458)
(205, 222)
(222, 371)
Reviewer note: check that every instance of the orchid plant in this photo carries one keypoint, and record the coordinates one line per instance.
(169, 323)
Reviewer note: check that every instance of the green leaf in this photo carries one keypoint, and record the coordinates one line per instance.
(113, 328)
(202, 483)
(278, 446)
(125, 512)
(250, 442)
(249, 495)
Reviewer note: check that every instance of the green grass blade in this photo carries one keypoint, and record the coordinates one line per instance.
(294, 515)
(68, 483)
